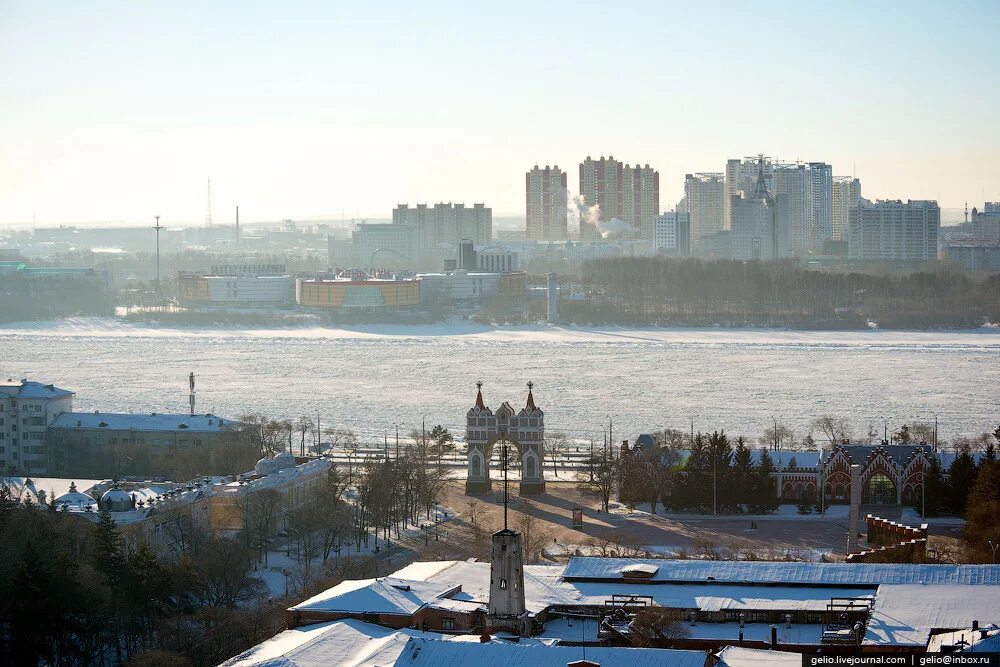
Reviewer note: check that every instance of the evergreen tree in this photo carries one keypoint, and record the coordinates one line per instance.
(962, 475)
(982, 521)
(765, 497)
(743, 474)
(720, 473)
(937, 492)
(990, 451)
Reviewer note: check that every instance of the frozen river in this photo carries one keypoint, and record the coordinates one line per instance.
(372, 378)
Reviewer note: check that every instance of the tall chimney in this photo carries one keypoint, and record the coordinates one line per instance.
(852, 539)
(552, 297)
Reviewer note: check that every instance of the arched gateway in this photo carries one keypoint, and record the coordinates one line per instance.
(524, 430)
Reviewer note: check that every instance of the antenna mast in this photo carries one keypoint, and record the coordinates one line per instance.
(157, 228)
(505, 483)
(208, 205)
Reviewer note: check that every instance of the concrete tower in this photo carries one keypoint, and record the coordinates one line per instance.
(506, 606)
(552, 297)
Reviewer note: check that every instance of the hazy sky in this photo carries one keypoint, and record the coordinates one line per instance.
(121, 110)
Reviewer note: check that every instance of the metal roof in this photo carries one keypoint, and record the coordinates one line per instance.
(831, 574)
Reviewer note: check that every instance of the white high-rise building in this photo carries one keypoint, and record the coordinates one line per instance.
(703, 198)
(741, 178)
(546, 211)
(809, 189)
(672, 232)
(846, 195)
(889, 230)
(385, 246)
(446, 223)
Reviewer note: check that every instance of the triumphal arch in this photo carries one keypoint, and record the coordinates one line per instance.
(522, 432)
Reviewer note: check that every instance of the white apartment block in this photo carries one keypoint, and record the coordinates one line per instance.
(703, 196)
(385, 246)
(809, 189)
(755, 235)
(446, 223)
(846, 195)
(671, 232)
(26, 410)
(889, 230)
(546, 199)
(741, 178)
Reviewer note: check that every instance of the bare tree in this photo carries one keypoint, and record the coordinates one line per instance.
(555, 445)
(473, 509)
(604, 468)
(532, 538)
(305, 542)
(224, 569)
(657, 627)
(259, 511)
(835, 429)
(304, 425)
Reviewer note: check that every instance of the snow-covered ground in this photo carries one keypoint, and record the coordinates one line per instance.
(371, 378)
(280, 575)
(783, 513)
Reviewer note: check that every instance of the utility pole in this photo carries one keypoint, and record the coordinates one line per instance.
(715, 506)
(397, 442)
(157, 228)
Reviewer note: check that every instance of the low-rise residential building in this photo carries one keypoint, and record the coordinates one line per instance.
(168, 515)
(96, 444)
(26, 411)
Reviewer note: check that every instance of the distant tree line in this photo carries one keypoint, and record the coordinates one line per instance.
(707, 472)
(683, 291)
(32, 298)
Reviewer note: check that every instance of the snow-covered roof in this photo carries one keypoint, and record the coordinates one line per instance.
(26, 389)
(906, 614)
(142, 422)
(28, 487)
(438, 653)
(804, 634)
(762, 572)
(545, 587)
(985, 639)
(737, 656)
(345, 642)
(389, 595)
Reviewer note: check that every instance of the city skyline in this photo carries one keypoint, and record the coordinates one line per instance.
(293, 117)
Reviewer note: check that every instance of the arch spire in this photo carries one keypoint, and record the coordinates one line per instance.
(531, 399)
(479, 396)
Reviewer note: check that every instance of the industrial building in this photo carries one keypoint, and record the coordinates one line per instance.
(355, 288)
(240, 285)
(737, 610)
